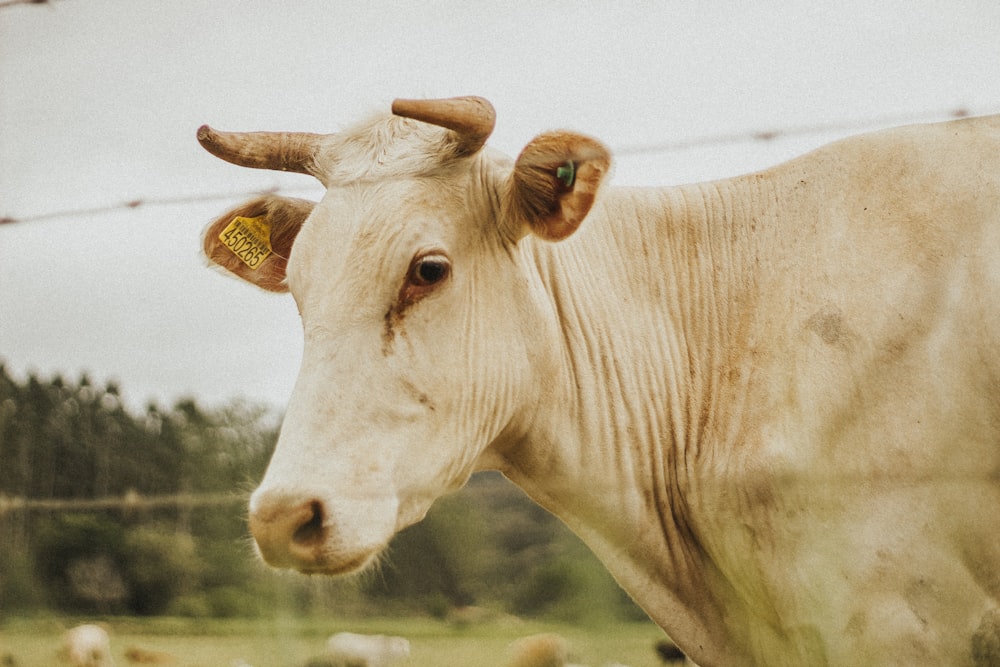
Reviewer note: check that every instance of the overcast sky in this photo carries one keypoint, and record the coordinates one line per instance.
(100, 100)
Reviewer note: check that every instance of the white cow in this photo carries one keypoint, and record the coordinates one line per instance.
(88, 645)
(348, 649)
(770, 404)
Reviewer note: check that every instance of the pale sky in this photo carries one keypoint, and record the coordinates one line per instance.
(100, 100)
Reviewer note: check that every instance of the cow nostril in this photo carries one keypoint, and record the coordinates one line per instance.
(311, 531)
(290, 531)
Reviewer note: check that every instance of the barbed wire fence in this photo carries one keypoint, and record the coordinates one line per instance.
(10, 3)
(131, 501)
(624, 151)
(146, 201)
(767, 135)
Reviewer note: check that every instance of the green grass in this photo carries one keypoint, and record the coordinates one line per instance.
(291, 642)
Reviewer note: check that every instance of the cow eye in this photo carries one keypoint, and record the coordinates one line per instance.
(429, 270)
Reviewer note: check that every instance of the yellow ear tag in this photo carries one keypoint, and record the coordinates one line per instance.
(249, 239)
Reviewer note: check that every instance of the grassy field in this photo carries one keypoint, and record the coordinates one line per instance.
(292, 642)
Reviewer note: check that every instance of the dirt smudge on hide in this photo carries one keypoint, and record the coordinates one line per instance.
(831, 328)
(419, 396)
(397, 313)
(986, 640)
(392, 320)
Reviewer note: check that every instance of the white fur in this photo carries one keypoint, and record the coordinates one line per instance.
(348, 649)
(88, 645)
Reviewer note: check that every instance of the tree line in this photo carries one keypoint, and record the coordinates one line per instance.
(75, 441)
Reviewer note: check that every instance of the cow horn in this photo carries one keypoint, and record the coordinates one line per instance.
(473, 118)
(281, 151)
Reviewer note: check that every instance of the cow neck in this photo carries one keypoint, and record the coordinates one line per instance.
(645, 298)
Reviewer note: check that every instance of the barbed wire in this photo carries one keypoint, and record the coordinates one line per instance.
(146, 201)
(10, 3)
(131, 501)
(731, 138)
(704, 141)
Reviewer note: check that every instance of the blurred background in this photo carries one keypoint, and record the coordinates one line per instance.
(131, 425)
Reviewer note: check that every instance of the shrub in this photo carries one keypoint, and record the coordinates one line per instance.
(80, 558)
(193, 605)
(19, 588)
(160, 566)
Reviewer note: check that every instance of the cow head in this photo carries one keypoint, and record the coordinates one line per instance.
(426, 340)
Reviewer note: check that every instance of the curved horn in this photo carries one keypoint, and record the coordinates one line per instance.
(473, 118)
(281, 151)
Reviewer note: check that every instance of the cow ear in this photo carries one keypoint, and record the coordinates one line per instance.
(554, 183)
(255, 239)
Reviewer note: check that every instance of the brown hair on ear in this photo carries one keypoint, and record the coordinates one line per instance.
(254, 240)
(555, 182)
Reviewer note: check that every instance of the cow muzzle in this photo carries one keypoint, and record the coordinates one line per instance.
(304, 533)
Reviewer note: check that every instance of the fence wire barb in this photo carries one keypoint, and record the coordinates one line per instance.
(10, 3)
(722, 139)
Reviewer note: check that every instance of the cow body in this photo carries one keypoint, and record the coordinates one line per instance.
(771, 404)
(349, 649)
(791, 382)
(88, 645)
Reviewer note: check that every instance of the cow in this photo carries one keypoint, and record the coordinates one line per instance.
(539, 650)
(349, 649)
(88, 645)
(770, 404)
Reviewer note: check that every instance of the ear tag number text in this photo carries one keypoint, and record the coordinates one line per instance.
(249, 239)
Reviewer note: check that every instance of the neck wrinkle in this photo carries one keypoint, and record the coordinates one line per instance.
(642, 303)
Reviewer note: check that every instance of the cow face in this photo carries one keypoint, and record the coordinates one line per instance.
(426, 339)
